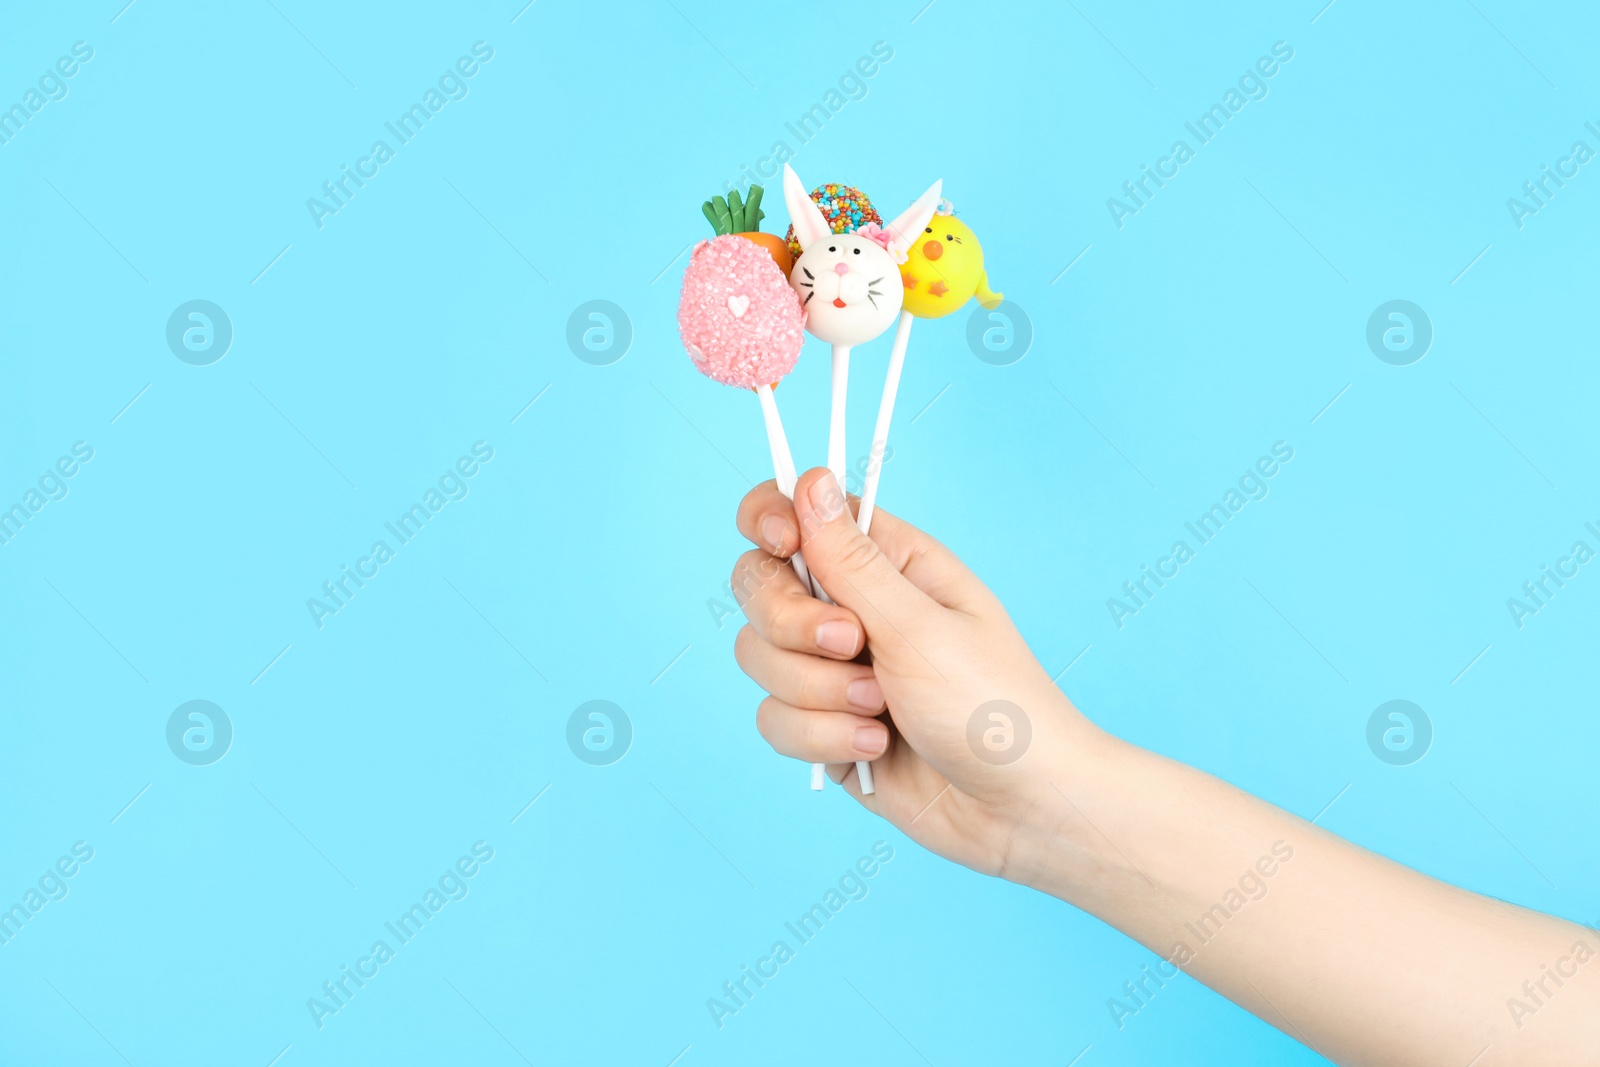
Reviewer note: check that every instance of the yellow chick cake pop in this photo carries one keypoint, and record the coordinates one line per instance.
(944, 268)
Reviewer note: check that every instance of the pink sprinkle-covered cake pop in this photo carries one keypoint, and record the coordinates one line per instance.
(739, 318)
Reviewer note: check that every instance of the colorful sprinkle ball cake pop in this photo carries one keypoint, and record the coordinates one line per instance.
(845, 207)
(739, 319)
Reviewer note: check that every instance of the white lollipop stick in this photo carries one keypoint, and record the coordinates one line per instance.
(880, 433)
(786, 483)
(782, 467)
(841, 381)
(783, 470)
(880, 445)
(836, 452)
(864, 776)
(836, 461)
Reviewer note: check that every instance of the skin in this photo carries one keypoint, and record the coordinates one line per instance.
(1361, 958)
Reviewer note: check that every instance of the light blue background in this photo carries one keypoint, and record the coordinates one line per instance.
(1223, 317)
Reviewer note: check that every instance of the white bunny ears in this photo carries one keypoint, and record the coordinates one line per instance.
(809, 225)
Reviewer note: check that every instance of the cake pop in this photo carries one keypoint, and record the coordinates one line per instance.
(744, 220)
(742, 326)
(944, 268)
(738, 317)
(846, 208)
(847, 284)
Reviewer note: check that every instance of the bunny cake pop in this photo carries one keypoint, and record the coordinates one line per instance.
(847, 282)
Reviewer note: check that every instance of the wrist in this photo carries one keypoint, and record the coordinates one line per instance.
(1062, 811)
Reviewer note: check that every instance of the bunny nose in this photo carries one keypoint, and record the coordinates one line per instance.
(841, 268)
(932, 249)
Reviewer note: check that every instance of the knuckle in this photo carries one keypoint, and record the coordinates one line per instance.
(814, 734)
(744, 646)
(768, 568)
(742, 514)
(859, 553)
(786, 624)
(746, 580)
(766, 719)
(815, 690)
(736, 576)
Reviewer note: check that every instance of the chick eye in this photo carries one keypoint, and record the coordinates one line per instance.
(948, 237)
(833, 248)
(928, 230)
(857, 251)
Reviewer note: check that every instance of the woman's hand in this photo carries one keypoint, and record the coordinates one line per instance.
(1310, 932)
(973, 721)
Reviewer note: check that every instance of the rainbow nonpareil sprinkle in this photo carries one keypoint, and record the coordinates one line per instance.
(845, 207)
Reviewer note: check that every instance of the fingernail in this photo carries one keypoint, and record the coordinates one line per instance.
(871, 740)
(826, 499)
(838, 637)
(772, 529)
(864, 693)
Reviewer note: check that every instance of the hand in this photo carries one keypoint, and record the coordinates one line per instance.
(1310, 932)
(941, 646)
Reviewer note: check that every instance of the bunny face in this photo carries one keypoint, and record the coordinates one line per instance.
(849, 285)
(849, 288)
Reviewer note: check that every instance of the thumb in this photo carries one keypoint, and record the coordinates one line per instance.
(851, 566)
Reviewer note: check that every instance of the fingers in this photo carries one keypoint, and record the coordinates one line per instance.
(808, 681)
(784, 612)
(820, 736)
(929, 565)
(853, 568)
(766, 518)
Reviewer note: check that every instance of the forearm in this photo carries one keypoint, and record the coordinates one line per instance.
(1365, 960)
(1362, 959)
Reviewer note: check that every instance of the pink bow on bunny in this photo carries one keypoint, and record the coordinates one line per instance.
(886, 238)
